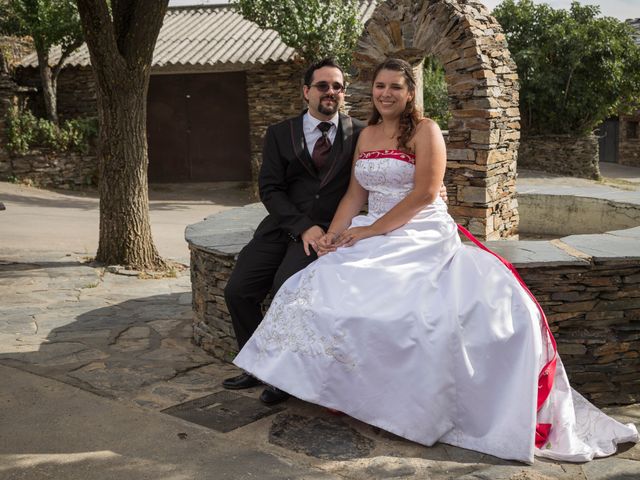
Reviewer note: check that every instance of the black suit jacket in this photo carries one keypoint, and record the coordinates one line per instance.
(294, 193)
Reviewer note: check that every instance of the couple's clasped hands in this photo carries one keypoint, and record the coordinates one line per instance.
(322, 243)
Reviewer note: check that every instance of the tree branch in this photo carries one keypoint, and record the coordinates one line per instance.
(139, 24)
(99, 32)
(64, 54)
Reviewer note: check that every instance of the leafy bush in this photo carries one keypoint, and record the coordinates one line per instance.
(575, 68)
(314, 28)
(20, 131)
(26, 132)
(434, 93)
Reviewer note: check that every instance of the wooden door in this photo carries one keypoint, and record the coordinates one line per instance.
(198, 128)
(609, 138)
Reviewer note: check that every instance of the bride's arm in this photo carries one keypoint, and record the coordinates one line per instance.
(431, 162)
(350, 206)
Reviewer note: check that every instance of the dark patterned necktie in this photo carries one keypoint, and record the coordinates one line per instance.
(322, 147)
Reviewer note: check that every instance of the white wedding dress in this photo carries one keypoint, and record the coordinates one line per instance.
(427, 338)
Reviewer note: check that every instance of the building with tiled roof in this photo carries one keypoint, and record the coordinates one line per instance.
(625, 147)
(635, 23)
(200, 37)
(203, 37)
(217, 81)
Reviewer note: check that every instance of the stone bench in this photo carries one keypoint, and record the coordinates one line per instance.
(588, 285)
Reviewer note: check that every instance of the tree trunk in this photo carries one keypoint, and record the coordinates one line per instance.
(48, 85)
(121, 40)
(125, 230)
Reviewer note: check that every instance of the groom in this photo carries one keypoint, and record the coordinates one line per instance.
(306, 165)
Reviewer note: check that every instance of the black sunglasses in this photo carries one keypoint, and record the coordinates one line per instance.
(324, 87)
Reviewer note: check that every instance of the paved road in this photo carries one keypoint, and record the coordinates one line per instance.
(67, 222)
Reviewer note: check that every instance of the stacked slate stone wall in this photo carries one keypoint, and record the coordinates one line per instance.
(76, 92)
(274, 92)
(561, 154)
(594, 314)
(212, 328)
(483, 99)
(593, 311)
(629, 144)
(51, 169)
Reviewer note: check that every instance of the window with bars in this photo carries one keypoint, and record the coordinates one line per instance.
(632, 130)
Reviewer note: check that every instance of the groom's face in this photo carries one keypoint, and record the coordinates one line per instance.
(324, 105)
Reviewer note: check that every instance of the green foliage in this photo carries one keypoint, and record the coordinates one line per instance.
(434, 92)
(20, 131)
(314, 28)
(25, 132)
(575, 68)
(49, 22)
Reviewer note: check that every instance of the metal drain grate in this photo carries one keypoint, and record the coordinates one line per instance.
(222, 411)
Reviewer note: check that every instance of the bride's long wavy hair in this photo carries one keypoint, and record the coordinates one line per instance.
(411, 115)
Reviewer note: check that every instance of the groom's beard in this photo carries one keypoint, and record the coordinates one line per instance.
(328, 109)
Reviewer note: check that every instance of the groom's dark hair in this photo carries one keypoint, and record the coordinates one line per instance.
(325, 62)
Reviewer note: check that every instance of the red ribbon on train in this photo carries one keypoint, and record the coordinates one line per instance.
(546, 376)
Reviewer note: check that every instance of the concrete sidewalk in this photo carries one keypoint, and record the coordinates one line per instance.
(90, 362)
(54, 431)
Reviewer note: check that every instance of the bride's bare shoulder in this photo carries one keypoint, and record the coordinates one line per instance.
(368, 137)
(427, 125)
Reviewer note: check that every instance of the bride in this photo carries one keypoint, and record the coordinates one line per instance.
(400, 325)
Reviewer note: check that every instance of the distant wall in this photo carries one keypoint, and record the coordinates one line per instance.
(629, 143)
(560, 154)
(49, 169)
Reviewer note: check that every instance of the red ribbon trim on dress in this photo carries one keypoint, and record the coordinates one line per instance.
(546, 376)
(395, 154)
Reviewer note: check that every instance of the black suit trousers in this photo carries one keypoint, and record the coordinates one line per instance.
(262, 266)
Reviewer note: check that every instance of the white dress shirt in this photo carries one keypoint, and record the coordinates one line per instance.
(312, 133)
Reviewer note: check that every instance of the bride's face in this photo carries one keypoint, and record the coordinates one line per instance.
(390, 93)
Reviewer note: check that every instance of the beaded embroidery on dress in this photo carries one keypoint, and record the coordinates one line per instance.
(425, 337)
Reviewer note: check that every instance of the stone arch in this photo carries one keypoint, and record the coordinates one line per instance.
(483, 99)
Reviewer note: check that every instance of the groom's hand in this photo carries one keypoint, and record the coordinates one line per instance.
(310, 238)
(443, 193)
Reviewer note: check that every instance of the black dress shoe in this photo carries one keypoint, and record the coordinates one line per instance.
(273, 396)
(243, 380)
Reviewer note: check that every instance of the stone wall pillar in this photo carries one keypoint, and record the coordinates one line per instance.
(76, 91)
(274, 93)
(483, 99)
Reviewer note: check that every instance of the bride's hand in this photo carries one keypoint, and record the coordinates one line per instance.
(326, 244)
(353, 235)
